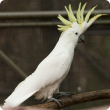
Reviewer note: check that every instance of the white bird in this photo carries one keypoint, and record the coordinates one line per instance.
(46, 79)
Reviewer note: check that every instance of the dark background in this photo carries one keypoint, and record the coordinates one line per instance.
(28, 46)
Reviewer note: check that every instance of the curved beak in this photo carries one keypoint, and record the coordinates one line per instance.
(81, 39)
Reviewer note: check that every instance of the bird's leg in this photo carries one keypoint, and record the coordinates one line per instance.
(55, 100)
(62, 94)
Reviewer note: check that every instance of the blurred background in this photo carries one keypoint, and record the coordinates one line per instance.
(28, 33)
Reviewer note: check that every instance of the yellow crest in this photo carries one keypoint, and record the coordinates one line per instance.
(79, 17)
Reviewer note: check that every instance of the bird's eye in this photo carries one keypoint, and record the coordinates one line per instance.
(76, 33)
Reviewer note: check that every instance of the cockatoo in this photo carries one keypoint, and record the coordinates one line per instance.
(45, 80)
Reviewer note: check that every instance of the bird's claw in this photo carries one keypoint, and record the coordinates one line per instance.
(61, 94)
(59, 102)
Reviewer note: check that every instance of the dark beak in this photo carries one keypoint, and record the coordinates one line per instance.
(81, 39)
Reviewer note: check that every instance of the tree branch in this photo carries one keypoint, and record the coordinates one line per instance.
(76, 99)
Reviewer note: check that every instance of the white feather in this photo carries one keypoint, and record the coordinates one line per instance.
(46, 79)
(1, 1)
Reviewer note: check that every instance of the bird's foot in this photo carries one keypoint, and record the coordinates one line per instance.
(59, 102)
(62, 94)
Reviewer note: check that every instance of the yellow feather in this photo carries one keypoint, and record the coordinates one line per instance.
(62, 27)
(71, 12)
(78, 13)
(82, 12)
(97, 16)
(66, 22)
(69, 15)
(89, 13)
(80, 17)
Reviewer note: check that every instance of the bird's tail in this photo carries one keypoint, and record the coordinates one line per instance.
(11, 102)
(6, 105)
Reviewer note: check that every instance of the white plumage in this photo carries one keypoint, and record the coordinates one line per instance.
(1, 1)
(46, 79)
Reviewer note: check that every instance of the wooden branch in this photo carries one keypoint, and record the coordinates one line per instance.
(76, 99)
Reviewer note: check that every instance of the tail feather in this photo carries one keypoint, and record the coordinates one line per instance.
(16, 102)
(20, 94)
(6, 105)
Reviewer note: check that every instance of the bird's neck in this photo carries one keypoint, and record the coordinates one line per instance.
(66, 45)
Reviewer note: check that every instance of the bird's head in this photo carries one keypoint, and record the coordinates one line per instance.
(76, 26)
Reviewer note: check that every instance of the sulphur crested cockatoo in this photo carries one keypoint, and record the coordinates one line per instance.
(46, 79)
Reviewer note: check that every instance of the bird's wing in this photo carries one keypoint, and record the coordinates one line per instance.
(53, 68)
(49, 71)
